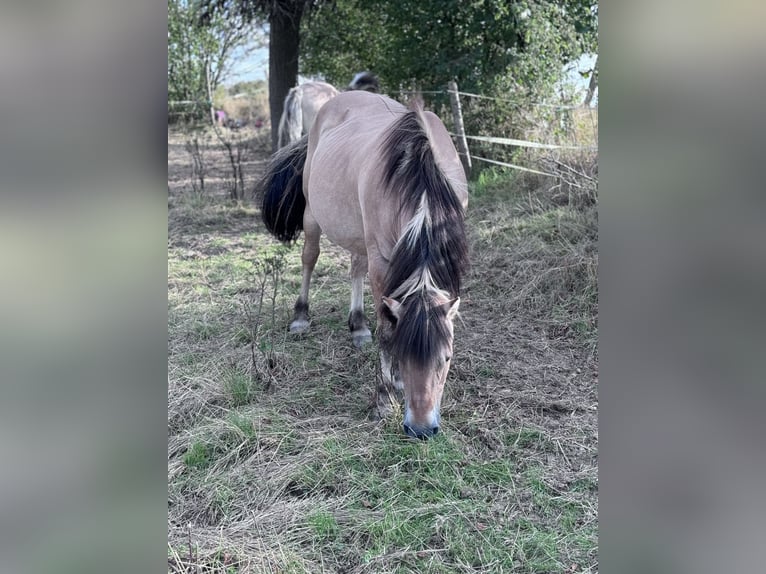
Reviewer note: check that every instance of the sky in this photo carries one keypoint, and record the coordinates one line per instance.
(250, 68)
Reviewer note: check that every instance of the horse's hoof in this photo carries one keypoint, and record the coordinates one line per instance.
(361, 339)
(299, 326)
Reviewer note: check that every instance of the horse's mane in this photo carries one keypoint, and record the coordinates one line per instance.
(431, 254)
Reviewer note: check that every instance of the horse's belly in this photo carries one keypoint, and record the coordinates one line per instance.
(350, 242)
(340, 219)
(333, 199)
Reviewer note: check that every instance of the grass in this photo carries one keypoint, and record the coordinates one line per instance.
(239, 386)
(198, 455)
(275, 463)
(549, 231)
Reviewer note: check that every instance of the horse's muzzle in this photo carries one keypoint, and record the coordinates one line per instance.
(422, 433)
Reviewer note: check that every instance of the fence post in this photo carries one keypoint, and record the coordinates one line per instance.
(457, 115)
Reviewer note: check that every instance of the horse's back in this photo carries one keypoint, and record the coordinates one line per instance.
(351, 125)
(319, 90)
(345, 165)
(343, 153)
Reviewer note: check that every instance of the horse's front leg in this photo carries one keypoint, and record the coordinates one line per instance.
(311, 234)
(389, 384)
(357, 322)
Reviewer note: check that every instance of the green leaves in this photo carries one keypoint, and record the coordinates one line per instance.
(199, 50)
(425, 43)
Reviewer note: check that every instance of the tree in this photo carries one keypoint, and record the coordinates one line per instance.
(426, 43)
(515, 51)
(186, 73)
(284, 20)
(592, 85)
(199, 56)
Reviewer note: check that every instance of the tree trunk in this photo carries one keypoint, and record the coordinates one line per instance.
(592, 84)
(284, 41)
(209, 85)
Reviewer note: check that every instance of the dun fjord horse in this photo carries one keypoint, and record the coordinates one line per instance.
(385, 183)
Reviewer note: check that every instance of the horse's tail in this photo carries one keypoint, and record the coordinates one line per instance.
(282, 191)
(291, 122)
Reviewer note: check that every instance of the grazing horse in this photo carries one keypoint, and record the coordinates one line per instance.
(385, 183)
(301, 107)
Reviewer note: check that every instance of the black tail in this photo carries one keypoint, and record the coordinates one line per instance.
(282, 190)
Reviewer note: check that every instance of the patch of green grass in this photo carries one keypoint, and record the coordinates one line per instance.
(541, 492)
(243, 336)
(190, 359)
(223, 499)
(412, 488)
(486, 371)
(196, 200)
(324, 525)
(422, 473)
(199, 455)
(238, 386)
(545, 225)
(477, 541)
(490, 474)
(205, 330)
(244, 424)
(538, 551)
(570, 517)
(526, 438)
(554, 506)
(398, 530)
(218, 242)
(492, 180)
(583, 485)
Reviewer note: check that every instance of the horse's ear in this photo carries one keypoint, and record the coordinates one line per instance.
(452, 308)
(392, 306)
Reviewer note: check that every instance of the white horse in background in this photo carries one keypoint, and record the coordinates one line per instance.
(304, 102)
(301, 107)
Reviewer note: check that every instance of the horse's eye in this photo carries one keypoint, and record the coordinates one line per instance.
(448, 358)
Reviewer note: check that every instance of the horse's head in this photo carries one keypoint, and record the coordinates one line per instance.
(418, 334)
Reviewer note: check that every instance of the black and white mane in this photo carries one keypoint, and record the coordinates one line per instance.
(431, 254)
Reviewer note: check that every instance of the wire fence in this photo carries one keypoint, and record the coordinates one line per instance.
(198, 109)
(463, 138)
(514, 102)
(188, 110)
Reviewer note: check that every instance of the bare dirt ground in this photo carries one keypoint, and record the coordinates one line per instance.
(274, 464)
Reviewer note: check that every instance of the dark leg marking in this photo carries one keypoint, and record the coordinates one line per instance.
(300, 322)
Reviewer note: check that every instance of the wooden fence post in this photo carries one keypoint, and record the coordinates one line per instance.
(457, 115)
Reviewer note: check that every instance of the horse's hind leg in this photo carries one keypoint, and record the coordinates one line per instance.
(357, 323)
(311, 234)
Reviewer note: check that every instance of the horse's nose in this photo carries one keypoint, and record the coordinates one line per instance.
(422, 433)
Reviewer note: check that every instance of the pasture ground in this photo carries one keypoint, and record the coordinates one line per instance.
(275, 463)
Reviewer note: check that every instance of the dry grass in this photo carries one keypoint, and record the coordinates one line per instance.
(249, 107)
(274, 463)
